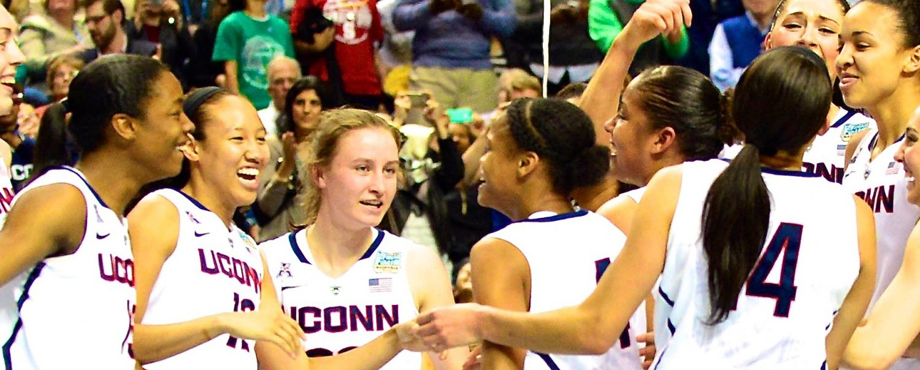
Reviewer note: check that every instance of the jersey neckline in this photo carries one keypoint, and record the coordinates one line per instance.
(295, 245)
(88, 186)
(556, 217)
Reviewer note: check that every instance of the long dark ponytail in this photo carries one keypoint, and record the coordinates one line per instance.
(780, 103)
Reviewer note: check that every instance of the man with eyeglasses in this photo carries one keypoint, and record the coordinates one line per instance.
(282, 73)
(105, 20)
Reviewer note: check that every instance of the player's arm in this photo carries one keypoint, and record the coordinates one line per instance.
(601, 98)
(893, 323)
(154, 231)
(619, 211)
(857, 301)
(431, 288)
(501, 279)
(851, 148)
(593, 326)
(36, 228)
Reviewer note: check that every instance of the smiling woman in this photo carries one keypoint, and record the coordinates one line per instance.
(127, 121)
(340, 260)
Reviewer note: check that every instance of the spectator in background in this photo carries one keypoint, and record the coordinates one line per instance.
(737, 41)
(203, 71)
(395, 52)
(246, 42)
(43, 37)
(606, 19)
(573, 56)
(356, 28)
(707, 14)
(282, 72)
(105, 20)
(61, 70)
(281, 201)
(451, 48)
(162, 22)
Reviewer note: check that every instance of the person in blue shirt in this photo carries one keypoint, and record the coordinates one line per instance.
(737, 41)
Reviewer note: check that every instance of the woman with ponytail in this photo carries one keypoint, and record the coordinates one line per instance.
(551, 255)
(741, 249)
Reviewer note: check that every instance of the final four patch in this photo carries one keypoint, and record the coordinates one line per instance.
(851, 129)
(387, 262)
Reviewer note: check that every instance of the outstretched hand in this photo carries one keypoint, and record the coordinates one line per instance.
(656, 17)
(450, 327)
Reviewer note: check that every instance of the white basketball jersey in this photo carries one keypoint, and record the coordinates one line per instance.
(786, 308)
(73, 311)
(567, 254)
(6, 192)
(883, 185)
(213, 270)
(826, 156)
(340, 314)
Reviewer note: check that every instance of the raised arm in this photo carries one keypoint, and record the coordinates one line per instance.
(591, 327)
(601, 99)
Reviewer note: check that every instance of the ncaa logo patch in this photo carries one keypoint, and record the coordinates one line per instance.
(851, 129)
(387, 262)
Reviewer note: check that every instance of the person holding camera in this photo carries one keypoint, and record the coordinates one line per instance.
(334, 40)
(161, 22)
(450, 51)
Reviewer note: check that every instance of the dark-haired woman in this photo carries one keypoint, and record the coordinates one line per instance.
(280, 203)
(880, 72)
(128, 122)
(816, 25)
(741, 248)
(540, 150)
(204, 295)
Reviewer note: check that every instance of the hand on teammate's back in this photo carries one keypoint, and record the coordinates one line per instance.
(266, 325)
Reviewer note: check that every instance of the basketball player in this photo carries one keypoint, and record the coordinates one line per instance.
(344, 281)
(6, 186)
(893, 320)
(551, 256)
(751, 309)
(878, 68)
(67, 267)
(816, 24)
(200, 278)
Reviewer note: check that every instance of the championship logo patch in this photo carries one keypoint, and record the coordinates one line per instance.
(285, 270)
(250, 244)
(387, 262)
(851, 129)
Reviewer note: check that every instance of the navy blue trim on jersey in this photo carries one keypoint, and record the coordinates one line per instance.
(665, 296)
(779, 172)
(7, 356)
(74, 171)
(548, 360)
(194, 201)
(671, 327)
(292, 238)
(561, 216)
(376, 244)
(875, 141)
(660, 358)
(846, 117)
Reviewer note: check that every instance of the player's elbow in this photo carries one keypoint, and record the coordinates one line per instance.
(596, 343)
(876, 358)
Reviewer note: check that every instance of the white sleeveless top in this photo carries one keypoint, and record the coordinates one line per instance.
(882, 184)
(6, 192)
(785, 310)
(73, 311)
(827, 154)
(340, 314)
(568, 254)
(213, 270)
